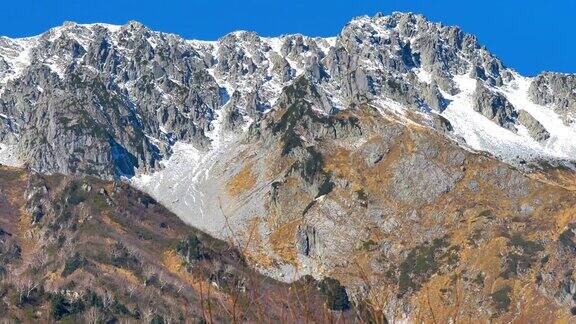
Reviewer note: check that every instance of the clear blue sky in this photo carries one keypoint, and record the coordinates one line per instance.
(529, 35)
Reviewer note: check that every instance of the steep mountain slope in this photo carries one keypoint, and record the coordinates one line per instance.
(400, 157)
(85, 250)
(399, 214)
(406, 219)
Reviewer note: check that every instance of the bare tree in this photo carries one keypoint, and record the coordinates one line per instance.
(163, 279)
(148, 271)
(92, 315)
(117, 251)
(38, 259)
(179, 286)
(133, 252)
(108, 300)
(149, 313)
(20, 285)
(131, 289)
(25, 285)
(66, 250)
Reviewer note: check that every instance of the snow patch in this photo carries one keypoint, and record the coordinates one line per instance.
(423, 75)
(54, 67)
(8, 155)
(17, 55)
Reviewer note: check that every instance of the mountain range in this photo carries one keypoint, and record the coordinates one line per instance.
(400, 159)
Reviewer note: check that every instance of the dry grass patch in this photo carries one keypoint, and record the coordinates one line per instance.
(253, 249)
(241, 181)
(113, 224)
(119, 272)
(283, 241)
(340, 164)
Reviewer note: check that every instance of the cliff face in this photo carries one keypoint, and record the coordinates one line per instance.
(104, 101)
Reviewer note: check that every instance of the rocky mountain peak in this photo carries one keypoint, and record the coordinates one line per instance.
(168, 89)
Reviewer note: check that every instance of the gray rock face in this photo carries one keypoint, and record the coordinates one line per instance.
(433, 97)
(442, 124)
(494, 106)
(107, 103)
(307, 241)
(513, 184)
(537, 131)
(379, 55)
(557, 90)
(418, 180)
(374, 152)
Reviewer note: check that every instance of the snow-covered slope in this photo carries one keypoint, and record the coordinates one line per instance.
(562, 143)
(482, 134)
(187, 185)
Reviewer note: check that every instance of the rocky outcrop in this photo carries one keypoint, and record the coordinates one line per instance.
(494, 106)
(556, 90)
(535, 128)
(307, 241)
(388, 206)
(416, 180)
